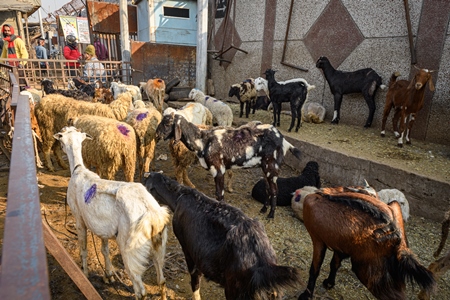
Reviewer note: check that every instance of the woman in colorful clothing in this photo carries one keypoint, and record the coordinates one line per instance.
(71, 52)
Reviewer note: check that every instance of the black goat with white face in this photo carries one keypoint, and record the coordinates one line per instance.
(293, 92)
(220, 242)
(222, 148)
(365, 81)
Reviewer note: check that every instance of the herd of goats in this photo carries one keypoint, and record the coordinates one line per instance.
(218, 240)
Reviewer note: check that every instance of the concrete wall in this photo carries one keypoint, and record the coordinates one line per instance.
(353, 35)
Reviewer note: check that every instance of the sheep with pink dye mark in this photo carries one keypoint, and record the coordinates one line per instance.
(113, 146)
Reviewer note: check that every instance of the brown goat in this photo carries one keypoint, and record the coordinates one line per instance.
(440, 266)
(367, 231)
(407, 98)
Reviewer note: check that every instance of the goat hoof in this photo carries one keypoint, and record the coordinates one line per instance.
(408, 142)
(305, 296)
(400, 145)
(335, 122)
(327, 284)
(382, 135)
(263, 210)
(271, 215)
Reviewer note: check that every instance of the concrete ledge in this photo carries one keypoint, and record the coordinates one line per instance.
(427, 198)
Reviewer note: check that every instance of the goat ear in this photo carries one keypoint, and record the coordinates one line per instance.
(57, 136)
(430, 84)
(177, 131)
(411, 83)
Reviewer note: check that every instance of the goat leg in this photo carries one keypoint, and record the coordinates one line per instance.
(319, 250)
(337, 108)
(335, 264)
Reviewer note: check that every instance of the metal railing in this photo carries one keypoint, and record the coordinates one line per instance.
(24, 273)
(32, 71)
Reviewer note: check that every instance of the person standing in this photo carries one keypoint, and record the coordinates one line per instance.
(93, 69)
(41, 53)
(100, 49)
(14, 48)
(71, 52)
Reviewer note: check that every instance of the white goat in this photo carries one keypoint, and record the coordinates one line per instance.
(110, 209)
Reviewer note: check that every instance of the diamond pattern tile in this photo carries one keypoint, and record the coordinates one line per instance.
(334, 34)
(226, 36)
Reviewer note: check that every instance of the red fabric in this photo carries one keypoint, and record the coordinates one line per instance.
(73, 54)
(11, 49)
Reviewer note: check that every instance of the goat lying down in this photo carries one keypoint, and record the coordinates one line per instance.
(220, 242)
(370, 233)
(223, 148)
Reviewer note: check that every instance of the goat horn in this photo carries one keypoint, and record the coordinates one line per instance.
(416, 67)
(366, 184)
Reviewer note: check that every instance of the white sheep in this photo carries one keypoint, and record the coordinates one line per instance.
(114, 209)
(54, 111)
(389, 195)
(299, 197)
(222, 113)
(144, 122)
(113, 146)
(313, 112)
(194, 112)
(118, 88)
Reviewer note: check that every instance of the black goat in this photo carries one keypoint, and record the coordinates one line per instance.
(246, 93)
(88, 88)
(262, 102)
(220, 242)
(293, 92)
(223, 148)
(287, 186)
(47, 89)
(365, 81)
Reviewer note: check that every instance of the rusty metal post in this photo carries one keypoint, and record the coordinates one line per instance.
(410, 35)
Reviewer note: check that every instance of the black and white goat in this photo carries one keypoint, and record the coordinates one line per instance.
(220, 242)
(222, 148)
(79, 84)
(48, 88)
(287, 186)
(293, 92)
(365, 81)
(125, 211)
(246, 93)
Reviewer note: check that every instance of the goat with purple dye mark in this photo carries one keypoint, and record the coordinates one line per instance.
(113, 146)
(114, 209)
(222, 148)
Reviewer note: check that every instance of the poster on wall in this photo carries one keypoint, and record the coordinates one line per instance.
(69, 26)
(83, 31)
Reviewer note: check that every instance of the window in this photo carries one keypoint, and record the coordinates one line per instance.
(176, 12)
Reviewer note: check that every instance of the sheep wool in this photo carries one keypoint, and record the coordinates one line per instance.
(222, 113)
(144, 122)
(54, 111)
(113, 145)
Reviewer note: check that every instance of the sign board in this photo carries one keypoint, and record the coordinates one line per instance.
(83, 31)
(76, 26)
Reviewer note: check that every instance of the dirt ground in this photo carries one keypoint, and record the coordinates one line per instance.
(287, 234)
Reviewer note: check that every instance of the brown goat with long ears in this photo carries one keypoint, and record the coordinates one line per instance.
(407, 98)
(355, 224)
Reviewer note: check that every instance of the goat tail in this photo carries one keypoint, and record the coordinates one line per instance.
(393, 78)
(409, 268)
(272, 279)
(444, 234)
(149, 226)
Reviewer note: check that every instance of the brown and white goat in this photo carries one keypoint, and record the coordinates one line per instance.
(370, 233)
(155, 90)
(407, 98)
(223, 148)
